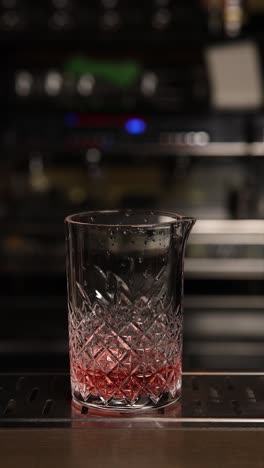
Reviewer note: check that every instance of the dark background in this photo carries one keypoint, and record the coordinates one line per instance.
(110, 104)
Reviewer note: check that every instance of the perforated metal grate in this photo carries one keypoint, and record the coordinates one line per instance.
(208, 399)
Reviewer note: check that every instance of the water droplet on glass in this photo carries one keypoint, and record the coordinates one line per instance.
(140, 260)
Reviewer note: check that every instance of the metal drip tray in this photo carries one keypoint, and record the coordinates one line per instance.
(208, 399)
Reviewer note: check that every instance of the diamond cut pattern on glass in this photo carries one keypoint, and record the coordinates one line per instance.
(122, 347)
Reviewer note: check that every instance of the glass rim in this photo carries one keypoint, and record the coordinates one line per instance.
(72, 219)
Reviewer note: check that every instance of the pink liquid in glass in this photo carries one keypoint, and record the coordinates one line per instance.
(129, 385)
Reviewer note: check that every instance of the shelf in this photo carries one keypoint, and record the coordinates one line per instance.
(232, 268)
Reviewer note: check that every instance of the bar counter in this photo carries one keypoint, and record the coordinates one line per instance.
(219, 422)
(199, 448)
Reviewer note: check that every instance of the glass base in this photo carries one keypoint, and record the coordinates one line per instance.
(124, 392)
(117, 406)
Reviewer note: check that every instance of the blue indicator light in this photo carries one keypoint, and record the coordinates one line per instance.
(71, 119)
(135, 126)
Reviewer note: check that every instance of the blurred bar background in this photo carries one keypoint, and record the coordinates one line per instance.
(133, 104)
